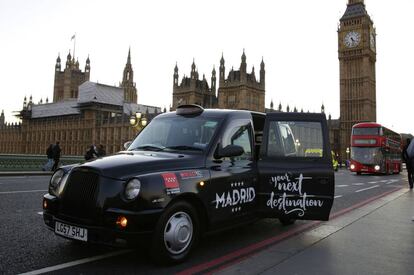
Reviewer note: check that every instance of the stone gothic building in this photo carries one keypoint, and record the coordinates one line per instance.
(192, 90)
(82, 113)
(67, 81)
(240, 90)
(357, 58)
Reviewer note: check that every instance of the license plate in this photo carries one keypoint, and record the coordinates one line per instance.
(71, 231)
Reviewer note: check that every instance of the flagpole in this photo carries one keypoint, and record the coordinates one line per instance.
(74, 45)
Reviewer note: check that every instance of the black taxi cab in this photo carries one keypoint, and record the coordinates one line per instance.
(194, 171)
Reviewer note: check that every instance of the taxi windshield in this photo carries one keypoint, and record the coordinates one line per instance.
(180, 133)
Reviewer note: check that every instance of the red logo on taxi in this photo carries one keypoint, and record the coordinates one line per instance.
(170, 180)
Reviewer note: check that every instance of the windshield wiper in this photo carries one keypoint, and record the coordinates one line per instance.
(184, 147)
(149, 147)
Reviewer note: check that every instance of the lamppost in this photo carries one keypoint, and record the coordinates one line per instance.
(138, 121)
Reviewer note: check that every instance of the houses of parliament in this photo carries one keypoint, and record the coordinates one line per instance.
(84, 113)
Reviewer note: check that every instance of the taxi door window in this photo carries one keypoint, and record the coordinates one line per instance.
(295, 139)
(239, 135)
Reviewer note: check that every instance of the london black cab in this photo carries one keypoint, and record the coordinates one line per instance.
(195, 171)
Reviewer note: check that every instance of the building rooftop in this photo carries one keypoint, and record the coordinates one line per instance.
(91, 92)
(67, 107)
(354, 10)
(100, 93)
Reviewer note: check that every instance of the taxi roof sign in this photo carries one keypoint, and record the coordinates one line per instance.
(189, 109)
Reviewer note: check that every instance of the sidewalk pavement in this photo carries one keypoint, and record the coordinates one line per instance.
(377, 238)
(25, 173)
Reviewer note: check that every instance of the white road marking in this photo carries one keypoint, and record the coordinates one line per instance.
(14, 182)
(391, 181)
(16, 192)
(77, 262)
(360, 190)
(40, 213)
(342, 185)
(372, 182)
(339, 196)
(383, 180)
(358, 184)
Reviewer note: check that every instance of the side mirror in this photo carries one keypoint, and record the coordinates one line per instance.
(230, 151)
(127, 144)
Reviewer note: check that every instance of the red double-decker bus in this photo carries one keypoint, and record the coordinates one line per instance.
(375, 149)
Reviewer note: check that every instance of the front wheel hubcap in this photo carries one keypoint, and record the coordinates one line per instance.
(178, 233)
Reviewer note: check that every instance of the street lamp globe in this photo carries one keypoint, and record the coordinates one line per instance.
(132, 120)
(144, 122)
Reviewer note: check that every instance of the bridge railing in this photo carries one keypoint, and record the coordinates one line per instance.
(23, 162)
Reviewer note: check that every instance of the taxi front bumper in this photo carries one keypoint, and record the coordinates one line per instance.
(140, 224)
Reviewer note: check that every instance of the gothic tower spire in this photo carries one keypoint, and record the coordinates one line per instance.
(213, 80)
(175, 75)
(222, 71)
(262, 73)
(2, 119)
(58, 65)
(193, 71)
(243, 67)
(87, 68)
(130, 91)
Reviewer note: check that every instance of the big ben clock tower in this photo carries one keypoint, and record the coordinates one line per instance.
(357, 57)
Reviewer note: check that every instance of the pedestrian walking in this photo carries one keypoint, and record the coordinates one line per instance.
(91, 153)
(49, 154)
(56, 155)
(100, 152)
(408, 156)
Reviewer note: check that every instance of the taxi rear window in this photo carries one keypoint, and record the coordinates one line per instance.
(295, 139)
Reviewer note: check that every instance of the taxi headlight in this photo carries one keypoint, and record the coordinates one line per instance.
(377, 167)
(352, 166)
(62, 183)
(55, 182)
(132, 189)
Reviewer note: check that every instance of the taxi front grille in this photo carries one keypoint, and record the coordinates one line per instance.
(80, 194)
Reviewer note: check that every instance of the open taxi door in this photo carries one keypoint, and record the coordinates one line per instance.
(294, 184)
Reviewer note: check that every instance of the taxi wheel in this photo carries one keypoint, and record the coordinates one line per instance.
(175, 235)
(287, 221)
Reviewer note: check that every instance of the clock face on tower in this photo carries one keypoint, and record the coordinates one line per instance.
(352, 39)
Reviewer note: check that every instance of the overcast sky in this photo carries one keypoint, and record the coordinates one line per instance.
(297, 39)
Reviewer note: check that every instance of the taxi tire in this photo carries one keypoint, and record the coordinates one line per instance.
(158, 251)
(286, 221)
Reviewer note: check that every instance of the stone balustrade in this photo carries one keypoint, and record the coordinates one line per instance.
(26, 162)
